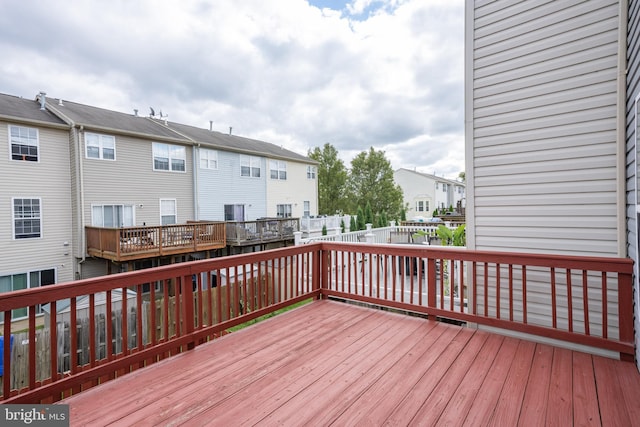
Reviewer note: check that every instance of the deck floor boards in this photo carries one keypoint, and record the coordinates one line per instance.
(331, 363)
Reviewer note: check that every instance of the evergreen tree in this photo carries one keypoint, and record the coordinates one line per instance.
(360, 220)
(368, 214)
(352, 224)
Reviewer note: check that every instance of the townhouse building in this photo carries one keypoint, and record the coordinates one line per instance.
(424, 193)
(90, 191)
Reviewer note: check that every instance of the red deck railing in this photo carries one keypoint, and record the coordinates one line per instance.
(111, 325)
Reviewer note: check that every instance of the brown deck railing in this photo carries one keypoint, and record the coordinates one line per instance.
(244, 233)
(131, 243)
(121, 322)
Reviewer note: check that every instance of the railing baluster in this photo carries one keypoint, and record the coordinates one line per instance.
(605, 316)
(32, 347)
(585, 302)
(73, 335)
(53, 342)
(524, 294)
(498, 290)
(6, 356)
(569, 300)
(554, 305)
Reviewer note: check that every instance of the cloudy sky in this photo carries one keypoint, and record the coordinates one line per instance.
(297, 73)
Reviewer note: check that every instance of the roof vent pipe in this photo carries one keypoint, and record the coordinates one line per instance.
(43, 100)
(60, 102)
(135, 112)
(230, 129)
(210, 125)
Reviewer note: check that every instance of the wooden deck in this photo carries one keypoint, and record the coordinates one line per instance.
(331, 363)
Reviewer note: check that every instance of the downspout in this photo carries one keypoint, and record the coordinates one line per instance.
(196, 199)
(80, 177)
(621, 151)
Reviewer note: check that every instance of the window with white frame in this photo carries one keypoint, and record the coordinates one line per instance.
(32, 279)
(307, 208)
(169, 157)
(283, 211)
(436, 185)
(420, 205)
(24, 143)
(250, 166)
(168, 211)
(27, 218)
(100, 146)
(208, 159)
(278, 169)
(311, 172)
(444, 188)
(112, 216)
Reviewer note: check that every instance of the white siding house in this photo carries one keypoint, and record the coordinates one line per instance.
(545, 135)
(423, 192)
(36, 247)
(292, 188)
(545, 132)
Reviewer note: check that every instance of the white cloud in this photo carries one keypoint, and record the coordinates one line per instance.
(381, 73)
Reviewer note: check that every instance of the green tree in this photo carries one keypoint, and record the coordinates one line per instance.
(352, 224)
(332, 180)
(360, 224)
(463, 176)
(342, 226)
(371, 181)
(368, 214)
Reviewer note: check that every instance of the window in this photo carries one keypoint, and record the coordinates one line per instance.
(284, 211)
(167, 157)
(24, 143)
(311, 172)
(422, 206)
(168, 211)
(208, 159)
(33, 279)
(250, 166)
(436, 185)
(112, 216)
(307, 208)
(26, 218)
(444, 188)
(278, 169)
(234, 212)
(100, 146)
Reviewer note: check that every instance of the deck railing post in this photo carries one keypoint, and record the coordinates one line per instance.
(189, 312)
(625, 309)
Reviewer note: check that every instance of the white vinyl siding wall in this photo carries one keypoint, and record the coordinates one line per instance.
(544, 126)
(542, 136)
(292, 191)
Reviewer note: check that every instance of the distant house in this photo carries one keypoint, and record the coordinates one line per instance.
(36, 240)
(423, 192)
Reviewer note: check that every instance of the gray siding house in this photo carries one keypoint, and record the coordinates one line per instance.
(126, 171)
(36, 241)
(548, 161)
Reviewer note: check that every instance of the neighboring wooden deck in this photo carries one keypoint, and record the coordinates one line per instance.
(330, 362)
